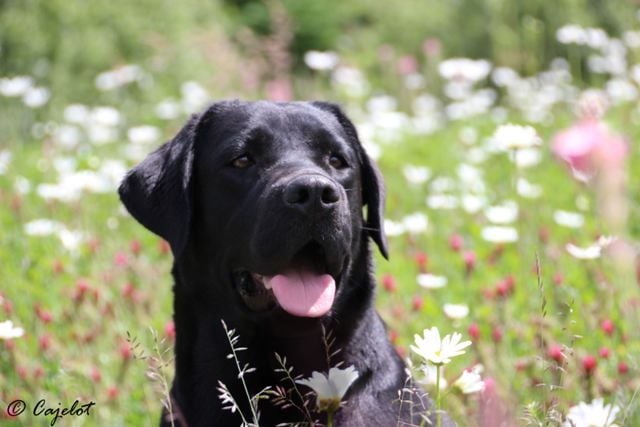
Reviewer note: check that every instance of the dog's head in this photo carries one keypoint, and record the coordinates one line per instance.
(269, 196)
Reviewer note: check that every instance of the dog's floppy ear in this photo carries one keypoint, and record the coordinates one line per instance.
(157, 192)
(373, 194)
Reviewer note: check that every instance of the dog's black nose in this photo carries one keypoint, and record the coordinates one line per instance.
(308, 192)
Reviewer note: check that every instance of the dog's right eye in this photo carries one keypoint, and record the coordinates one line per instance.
(242, 162)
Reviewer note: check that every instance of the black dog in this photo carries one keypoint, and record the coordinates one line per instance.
(262, 204)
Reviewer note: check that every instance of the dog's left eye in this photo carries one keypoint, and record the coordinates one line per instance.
(242, 162)
(337, 161)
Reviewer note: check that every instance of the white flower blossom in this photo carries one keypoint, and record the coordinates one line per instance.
(464, 69)
(194, 96)
(76, 113)
(456, 311)
(168, 109)
(568, 219)
(594, 414)
(510, 137)
(527, 189)
(321, 61)
(393, 228)
(434, 350)
(589, 252)
(8, 331)
(442, 201)
(113, 79)
(16, 86)
(429, 376)
(469, 382)
(42, 227)
(144, 134)
(505, 213)
(415, 223)
(416, 174)
(5, 161)
(431, 281)
(499, 234)
(330, 389)
(36, 97)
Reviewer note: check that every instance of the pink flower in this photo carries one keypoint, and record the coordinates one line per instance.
(389, 283)
(623, 368)
(120, 259)
(607, 326)
(112, 392)
(431, 47)
(170, 329)
(95, 375)
(407, 65)
(422, 260)
(474, 331)
(279, 90)
(469, 258)
(588, 146)
(163, 247)
(135, 247)
(497, 334)
(589, 364)
(455, 242)
(555, 353)
(417, 303)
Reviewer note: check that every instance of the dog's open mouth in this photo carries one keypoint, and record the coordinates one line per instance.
(303, 288)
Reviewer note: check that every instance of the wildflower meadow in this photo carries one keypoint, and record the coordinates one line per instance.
(512, 213)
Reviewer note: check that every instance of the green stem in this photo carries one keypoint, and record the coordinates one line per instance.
(438, 397)
(329, 418)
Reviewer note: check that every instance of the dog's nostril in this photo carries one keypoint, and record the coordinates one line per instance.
(296, 194)
(329, 195)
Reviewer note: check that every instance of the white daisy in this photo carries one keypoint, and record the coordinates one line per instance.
(8, 331)
(429, 376)
(144, 134)
(505, 213)
(528, 190)
(442, 201)
(330, 389)
(499, 234)
(415, 223)
(438, 351)
(5, 161)
(514, 137)
(321, 61)
(568, 219)
(589, 252)
(594, 414)
(42, 227)
(393, 228)
(456, 311)
(416, 174)
(431, 281)
(469, 382)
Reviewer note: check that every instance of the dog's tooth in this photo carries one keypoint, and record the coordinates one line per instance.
(266, 284)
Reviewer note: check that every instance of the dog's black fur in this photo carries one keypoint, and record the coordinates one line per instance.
(249, 187)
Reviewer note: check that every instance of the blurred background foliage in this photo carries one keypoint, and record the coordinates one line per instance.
(67, 42)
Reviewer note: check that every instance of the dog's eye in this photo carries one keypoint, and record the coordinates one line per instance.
(242, 162)
(337, 161)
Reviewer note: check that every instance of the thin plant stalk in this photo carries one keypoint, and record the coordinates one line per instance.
(438, 397)
(241, 371)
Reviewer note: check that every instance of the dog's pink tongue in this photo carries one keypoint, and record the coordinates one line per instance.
(303, 293)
